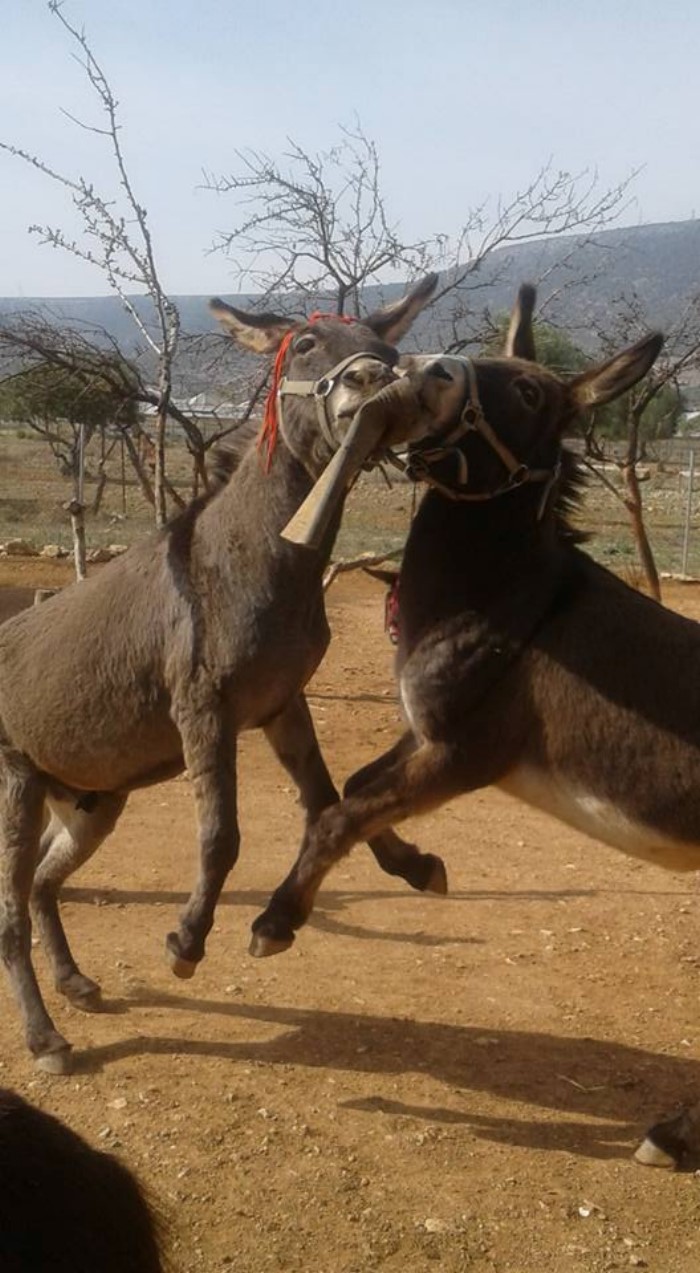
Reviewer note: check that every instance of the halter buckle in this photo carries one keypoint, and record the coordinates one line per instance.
(469, 418)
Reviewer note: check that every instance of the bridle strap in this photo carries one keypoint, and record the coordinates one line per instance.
(320, 390)
(306, 389)
(473, 420)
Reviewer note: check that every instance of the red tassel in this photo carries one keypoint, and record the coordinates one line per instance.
(267, 438)
(268, 434)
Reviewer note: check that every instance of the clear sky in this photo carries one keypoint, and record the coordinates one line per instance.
(466, 100)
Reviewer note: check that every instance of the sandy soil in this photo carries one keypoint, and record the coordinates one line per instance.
(419, 1083)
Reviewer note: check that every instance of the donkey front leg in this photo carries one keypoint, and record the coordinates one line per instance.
(209, 748)
(401, 786)
(293, 739)
(21, 812)
(70, 839)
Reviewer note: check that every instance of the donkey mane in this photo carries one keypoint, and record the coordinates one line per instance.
(226, 458)
(569, 498)
(225, 463)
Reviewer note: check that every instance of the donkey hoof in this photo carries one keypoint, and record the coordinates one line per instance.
(59, 1061)
(651, 1155)
(88, 1001)
(437, 880)
(262, 945)
(183, 968)
(82, 993)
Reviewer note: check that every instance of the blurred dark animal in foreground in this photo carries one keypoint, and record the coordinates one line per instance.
(65, 1207)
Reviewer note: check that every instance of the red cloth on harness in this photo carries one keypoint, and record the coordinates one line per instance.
(268, 433)
(391, 612)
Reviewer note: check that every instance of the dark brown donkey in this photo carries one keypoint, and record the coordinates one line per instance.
(160, 660)
(94, 1213)
(521, 661)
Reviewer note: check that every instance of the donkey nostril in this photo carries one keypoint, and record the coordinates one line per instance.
(439, 371)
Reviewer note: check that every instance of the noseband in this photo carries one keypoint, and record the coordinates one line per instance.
(473, 420)
(320, 390)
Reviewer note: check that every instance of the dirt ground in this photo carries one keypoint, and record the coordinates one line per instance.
(420, 1082)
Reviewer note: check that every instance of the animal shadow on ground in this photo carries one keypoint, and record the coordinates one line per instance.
(330, 903)
(604, 1091)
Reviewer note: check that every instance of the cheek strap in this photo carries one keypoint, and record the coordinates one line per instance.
(473, 420)
(320, 390)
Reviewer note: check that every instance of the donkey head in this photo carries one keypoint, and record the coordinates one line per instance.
(324, 368)
(502, 419)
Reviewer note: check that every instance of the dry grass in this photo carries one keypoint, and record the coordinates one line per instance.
(32, 493)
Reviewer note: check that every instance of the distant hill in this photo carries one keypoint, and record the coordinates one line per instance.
(658, 263)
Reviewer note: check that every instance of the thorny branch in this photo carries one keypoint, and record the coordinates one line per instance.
(315, 225)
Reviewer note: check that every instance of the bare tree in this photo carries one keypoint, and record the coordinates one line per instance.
(66, 408)
(117, 240)
(681, 352)
(32, 345)
(317, 226)
(556, 205)
(29, 340)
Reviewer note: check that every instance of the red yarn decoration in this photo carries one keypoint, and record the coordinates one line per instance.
(268, 434)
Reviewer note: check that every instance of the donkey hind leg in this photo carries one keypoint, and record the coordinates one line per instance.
(423, 871)
(669, 1143)
(400, 787)
(209, 748)
(70, 838)
(21, 812)
(292, 736)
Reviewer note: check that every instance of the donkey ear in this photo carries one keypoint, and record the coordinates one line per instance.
(262, 333)
(614, 377)
(520, 341)
(392, 322)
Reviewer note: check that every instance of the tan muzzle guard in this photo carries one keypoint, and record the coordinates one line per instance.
(382, 421)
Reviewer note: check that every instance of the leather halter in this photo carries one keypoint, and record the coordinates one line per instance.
(320, 390)
(473, 420)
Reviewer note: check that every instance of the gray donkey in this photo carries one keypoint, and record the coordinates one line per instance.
(208, 628)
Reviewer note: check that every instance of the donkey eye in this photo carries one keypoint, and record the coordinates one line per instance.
(530, 392)
(304, 344)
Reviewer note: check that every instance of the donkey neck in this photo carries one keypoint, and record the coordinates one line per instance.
(483, 559)
(256, 504)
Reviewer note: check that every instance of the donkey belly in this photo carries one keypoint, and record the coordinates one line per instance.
(600, 818)
(105, 750)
